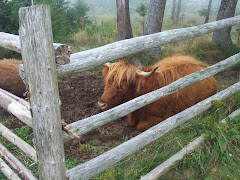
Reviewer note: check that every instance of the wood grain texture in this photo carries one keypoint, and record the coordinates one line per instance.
(12, 42)
(16, 106)
(39, 63)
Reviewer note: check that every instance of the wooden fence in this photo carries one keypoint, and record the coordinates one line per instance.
(43, 111)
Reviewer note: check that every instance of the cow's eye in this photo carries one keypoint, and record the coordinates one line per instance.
(121, 88)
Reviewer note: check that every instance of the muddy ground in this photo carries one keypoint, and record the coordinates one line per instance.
(79, 94)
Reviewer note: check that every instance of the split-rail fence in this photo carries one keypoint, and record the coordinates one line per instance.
(42, 112)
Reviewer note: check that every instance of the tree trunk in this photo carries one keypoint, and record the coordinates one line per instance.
(173, 11)
(123, 20)
(178, 11)
(209, 9)
(222, 38)
(154, 23)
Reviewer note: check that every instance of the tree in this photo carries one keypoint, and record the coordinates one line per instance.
(206, 12)
(222, 38)
(209, 10)
(65, 19)
(154, 22)
(77, 15)
(123, 20)
(142, 11)
(178, 11)
(173, 11)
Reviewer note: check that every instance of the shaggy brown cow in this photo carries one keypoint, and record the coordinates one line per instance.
(124, 82)
(9, 77)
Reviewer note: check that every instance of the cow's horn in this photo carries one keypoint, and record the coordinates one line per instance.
(146, 74)
(107, 64)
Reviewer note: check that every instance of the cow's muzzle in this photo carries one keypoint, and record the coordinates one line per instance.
(102, 104)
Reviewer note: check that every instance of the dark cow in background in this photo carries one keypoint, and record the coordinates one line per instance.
(10, 79)
(124, 82)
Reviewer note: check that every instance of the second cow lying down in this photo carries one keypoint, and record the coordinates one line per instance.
(10, 79)
(124, 82)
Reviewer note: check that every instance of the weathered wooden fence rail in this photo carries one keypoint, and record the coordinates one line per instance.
(89, 59)
(166, 165)
(38, 57)
(12, 42)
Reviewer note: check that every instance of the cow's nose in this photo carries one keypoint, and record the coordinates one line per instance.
(102, 104)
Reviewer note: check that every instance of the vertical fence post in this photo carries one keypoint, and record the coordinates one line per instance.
(39, 63)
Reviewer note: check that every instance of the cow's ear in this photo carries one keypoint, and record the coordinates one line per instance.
(146, 74)
(105, 72)
(105, 69)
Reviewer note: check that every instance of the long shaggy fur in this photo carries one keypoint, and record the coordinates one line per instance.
(10, 79)
(122, 83)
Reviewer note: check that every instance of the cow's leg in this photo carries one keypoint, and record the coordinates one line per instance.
(145, 124)
(132, 119)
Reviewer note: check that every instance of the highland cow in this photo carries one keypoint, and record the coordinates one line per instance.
(124, 82)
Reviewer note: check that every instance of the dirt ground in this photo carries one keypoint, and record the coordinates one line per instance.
(79, 94)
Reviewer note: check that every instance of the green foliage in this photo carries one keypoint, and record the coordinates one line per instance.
(65, 19)
(204, 12)
(71, 163)
(6, 123)
(114, 173)
(142, 9)
(95, 35)
(24, 134)
(220, 146)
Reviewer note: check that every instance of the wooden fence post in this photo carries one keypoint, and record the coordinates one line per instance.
(39, 63)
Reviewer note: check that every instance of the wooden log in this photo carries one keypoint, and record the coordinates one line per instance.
(12, 42)
(39, 63)
(25, 173)
(7, 171)
(166, 165)
(62, 53)
(16, 106)
(90, 59)
(86, 125)
(108, 159)
(21, 144)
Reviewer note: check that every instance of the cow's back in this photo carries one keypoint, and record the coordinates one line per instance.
(171, 69)
(10, 79)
